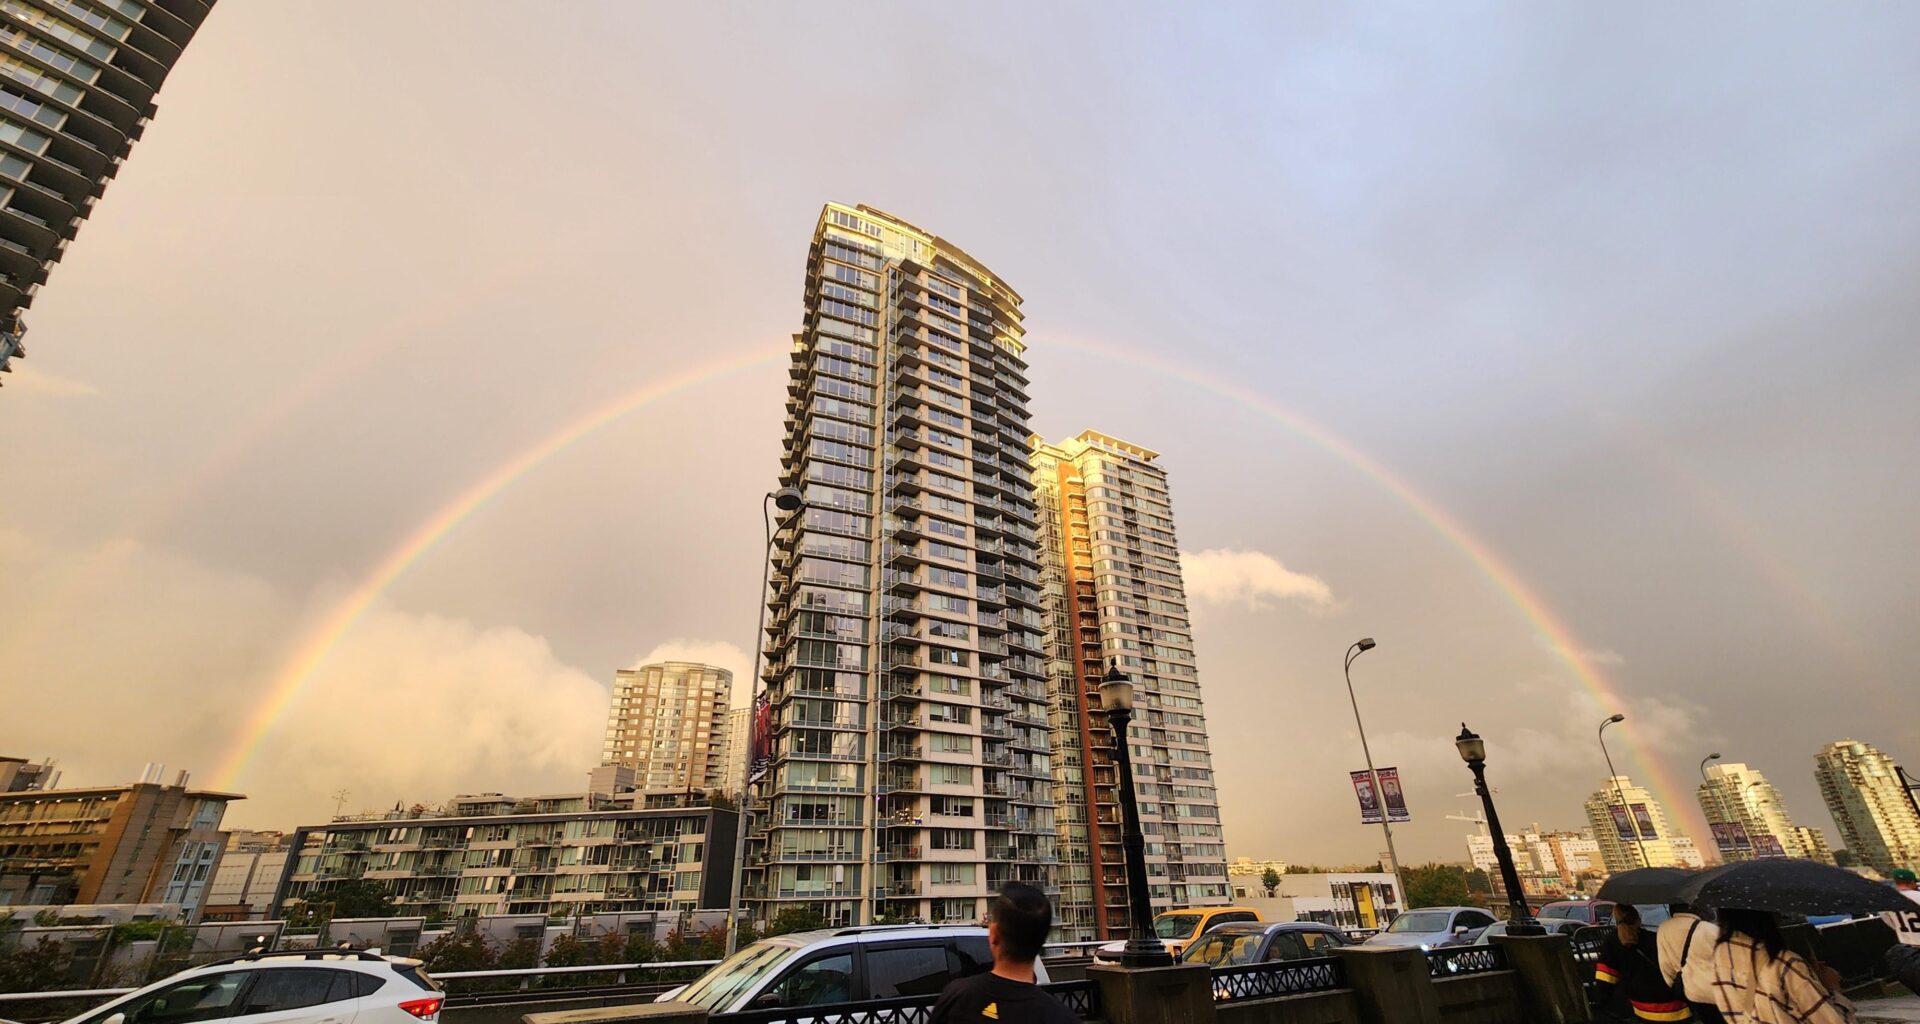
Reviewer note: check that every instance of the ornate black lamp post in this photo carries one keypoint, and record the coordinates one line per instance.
(1519, 919)
(1143, 947)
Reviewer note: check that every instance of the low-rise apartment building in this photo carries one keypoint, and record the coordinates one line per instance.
(564, 855)
(142, 843)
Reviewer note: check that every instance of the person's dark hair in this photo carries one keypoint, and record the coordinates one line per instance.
(1757, 925)
(1626, 913)
(1024, 917)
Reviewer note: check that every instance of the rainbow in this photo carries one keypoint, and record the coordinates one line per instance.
(321, 640)
(314, 650)
(1670, 791)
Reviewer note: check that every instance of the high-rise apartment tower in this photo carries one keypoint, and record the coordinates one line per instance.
(669, 723)
(1747, 816)
(77, 79)
(1112, 580)
(911, 774)
(1631, 828)
(1876, 816)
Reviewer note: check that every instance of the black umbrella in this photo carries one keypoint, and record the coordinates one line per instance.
(1645, 885)
(1786, 886)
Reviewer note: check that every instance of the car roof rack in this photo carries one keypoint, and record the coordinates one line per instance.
(864, 929)
(303, 954)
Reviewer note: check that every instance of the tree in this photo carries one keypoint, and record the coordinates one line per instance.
(458, 952)
(356, 897)
(36, 968)
(1478, 882)
(1270, 879)
(796, 919)
(1436, 885)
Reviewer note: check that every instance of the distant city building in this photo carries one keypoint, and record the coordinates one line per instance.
(739, 744)
(1686, 853)
(1548, 863)
(1875, 815)
(1240, 867)
(145, 842)
(668, 722)
(17, 774)
(912, 772)
(565, 855)
(1814, 842)
(1114, 593)
(1746, 815)
(1344, 899)
(1624, 829)
(243, 886)
(79, 81)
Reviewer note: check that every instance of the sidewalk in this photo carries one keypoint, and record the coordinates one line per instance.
(1898, 1010)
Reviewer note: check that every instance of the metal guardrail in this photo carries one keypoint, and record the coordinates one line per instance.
(1461, 960)
(1277, 978)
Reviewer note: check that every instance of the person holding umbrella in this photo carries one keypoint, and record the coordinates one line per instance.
(1758, 980)
(1632, 987)
(1685, 943)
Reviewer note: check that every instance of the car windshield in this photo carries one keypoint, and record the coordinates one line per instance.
(1420, 921)
(719, 988)
(1222, 950)
(1175, 926)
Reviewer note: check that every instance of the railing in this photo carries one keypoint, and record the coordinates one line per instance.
(1277, 978)
(1081, 997)
(1459, 960)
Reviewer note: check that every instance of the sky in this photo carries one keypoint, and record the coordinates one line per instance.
(424, 366)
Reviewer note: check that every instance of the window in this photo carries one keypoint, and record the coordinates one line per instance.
(907, 971)
(952, 839)
(1320, 943)
(952, 775)
(826, 980)
(203, 998)
(1286, 946)
(952, 874)
(290, 988)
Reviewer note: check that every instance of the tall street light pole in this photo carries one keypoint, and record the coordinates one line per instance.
(787, 500)
(1143, 948)
(1359, 647)
(1519, 916)
(1640, 841)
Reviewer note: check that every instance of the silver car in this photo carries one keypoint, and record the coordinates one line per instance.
(842, 965)
(1432, 926)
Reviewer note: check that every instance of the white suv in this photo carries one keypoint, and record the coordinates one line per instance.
(287, 987)
(842, 965)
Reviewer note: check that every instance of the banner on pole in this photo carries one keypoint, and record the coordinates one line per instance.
(1768, 845)
(1621, 823)
(1369, 800)
(1644, 818)
(1391, 797)
(760, 753)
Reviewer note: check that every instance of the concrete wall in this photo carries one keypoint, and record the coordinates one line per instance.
(1336, 1007)
(1491, 998)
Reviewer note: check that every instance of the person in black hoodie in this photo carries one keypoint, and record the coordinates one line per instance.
(1017, 923)
(1632, 987)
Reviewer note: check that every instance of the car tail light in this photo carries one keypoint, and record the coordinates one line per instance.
(425, 1009)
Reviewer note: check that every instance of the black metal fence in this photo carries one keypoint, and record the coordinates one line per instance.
(1082, 997)
(1452, 962)
(1277, 978)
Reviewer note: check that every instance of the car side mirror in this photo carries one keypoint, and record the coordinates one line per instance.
(1461, 929)
(763, 1001)
(115, 1018)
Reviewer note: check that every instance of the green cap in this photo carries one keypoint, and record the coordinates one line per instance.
(1905, 875)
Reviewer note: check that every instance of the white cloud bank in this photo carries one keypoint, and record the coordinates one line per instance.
(1253, 579)
(154, 657)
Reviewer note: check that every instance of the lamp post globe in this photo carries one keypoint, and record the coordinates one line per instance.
(1473, 750)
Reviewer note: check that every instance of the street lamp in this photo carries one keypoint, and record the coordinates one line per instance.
(1359, 647)
(1519, 916)
(1703, 764)
(1640, 842)
(1143, 947)
(787, 500)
